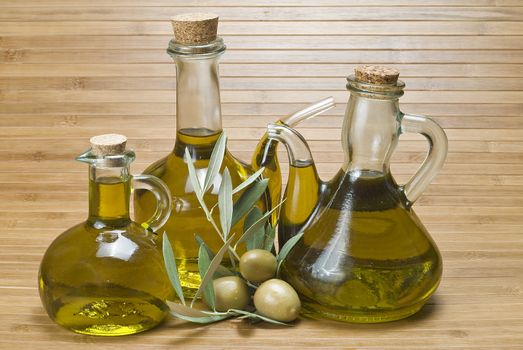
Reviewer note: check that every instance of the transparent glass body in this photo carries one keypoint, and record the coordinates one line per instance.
(198, 127)
(364, 255)
(106, 276)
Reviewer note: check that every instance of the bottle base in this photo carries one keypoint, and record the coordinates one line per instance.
(113, 330)
(110, 316)
(316, 311)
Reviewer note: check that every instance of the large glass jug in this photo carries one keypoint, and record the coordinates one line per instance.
(196, 50)
(364, 255)
(106, 276)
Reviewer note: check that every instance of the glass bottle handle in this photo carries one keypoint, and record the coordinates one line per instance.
(436, 154)
(163, 199)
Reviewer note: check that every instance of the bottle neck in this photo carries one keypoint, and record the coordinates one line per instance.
(198, 107)
(109, 193)
(370, 132)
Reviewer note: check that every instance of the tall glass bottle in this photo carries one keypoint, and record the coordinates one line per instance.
(195, 51)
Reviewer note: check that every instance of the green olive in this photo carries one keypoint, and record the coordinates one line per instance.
(230, 292)
(277, 299)
(258, 265)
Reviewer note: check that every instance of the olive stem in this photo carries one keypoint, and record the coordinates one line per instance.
(211, 220)
(251, 285)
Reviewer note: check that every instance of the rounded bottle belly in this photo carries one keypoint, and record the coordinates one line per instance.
(187, 218)
(364, 266)
(104, 282)
(108, 310)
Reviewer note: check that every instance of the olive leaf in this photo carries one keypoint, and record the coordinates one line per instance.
(249, 180)
(201, 242)
(254, 232)
(186, 310)
(282, 254)
(170, 266)
(193, 178)
(203, 319)
(215, 262)
(215, 162)
(270, 234)
(225, 203)
(247, 200)
(221, 271)
(255, 316)
(192, 175)
(253, 229)
(203, 266)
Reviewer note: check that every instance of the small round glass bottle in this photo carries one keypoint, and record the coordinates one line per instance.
(106, 276)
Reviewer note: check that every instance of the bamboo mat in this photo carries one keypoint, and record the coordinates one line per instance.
(73, 69)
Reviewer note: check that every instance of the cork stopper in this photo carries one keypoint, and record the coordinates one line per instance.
(195, 28)
(376, 74)
(108, 144)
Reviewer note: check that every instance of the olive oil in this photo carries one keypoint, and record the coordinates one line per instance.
(187, 218)
(361, 254)
(90, 309)
(364, 259)
(78, 264)
(196, 49)
(304, 188)
(265, 155)
(110, 198)
(106, 275)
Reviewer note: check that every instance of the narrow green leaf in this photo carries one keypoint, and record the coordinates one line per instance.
(288, 246)
(247, 200)
(270, 233)
(193, 178)
(249, 181)
(225, 203)
(203, 266)
(201, 242)
(256, 228)
(255, 316)
(186, 310)
(215, 162)
(202, 320)
(286, 249)
(195, 183)
(222, 271)
(170, 266)
(253, 229)
(215, 262)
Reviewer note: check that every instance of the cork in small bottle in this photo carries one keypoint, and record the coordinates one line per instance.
(108, 144)
(195, 28)
(376, 74)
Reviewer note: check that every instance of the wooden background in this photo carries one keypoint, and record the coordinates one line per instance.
(73, 69)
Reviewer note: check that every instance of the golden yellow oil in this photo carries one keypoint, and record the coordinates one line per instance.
(105, 276)
(302, 199)
(187, 218)
(108, 310)
(109, 198)
(365, 257)
(265, 155)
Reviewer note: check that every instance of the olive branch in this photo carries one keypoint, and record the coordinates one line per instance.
(258, 233)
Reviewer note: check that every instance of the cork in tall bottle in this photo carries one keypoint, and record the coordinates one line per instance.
(195, 28)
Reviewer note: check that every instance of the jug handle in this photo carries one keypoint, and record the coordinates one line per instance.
(163, 199)
(436, 155)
